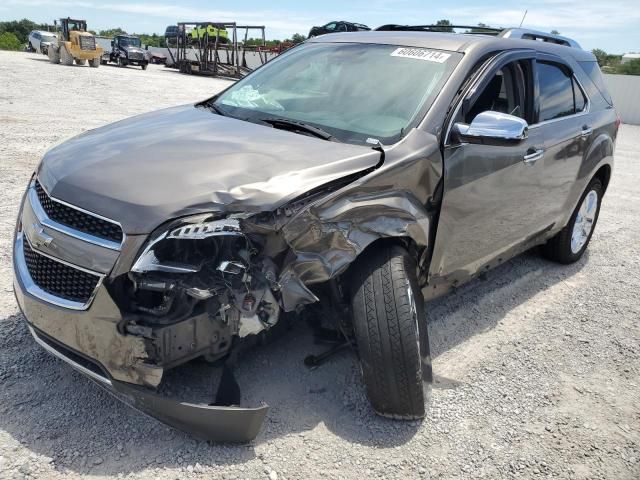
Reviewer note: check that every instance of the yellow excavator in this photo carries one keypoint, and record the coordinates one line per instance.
(75, 44)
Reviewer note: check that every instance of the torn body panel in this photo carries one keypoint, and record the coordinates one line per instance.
(201, 285)
(325, 238)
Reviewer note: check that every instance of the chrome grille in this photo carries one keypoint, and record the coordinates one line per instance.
(77, 219)
(136, 56)
(59, 279)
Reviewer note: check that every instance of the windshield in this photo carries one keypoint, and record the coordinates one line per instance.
(359, 93)
(129, 42)
(48, 38)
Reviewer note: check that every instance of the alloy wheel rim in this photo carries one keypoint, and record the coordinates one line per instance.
(584, 222)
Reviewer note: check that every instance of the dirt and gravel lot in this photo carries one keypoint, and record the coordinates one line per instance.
(537, 365)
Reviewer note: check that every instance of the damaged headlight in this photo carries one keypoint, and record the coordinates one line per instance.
(207, 264)
(173, 251)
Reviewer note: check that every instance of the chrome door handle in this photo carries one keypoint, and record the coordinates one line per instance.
(586, 131)
(532, 158)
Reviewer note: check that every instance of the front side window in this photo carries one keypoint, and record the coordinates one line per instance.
(506, 92)
(556, 92)
(331, 26)
(359, 93)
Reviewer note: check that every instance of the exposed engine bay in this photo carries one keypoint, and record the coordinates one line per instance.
(198, 286)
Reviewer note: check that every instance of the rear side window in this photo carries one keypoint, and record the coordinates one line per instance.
(556, 92)
(580, 100)
(593, 70)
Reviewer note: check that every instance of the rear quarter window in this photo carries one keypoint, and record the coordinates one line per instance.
(593, 72)
(556, 92)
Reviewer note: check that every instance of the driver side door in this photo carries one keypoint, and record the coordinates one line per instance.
(490, 188)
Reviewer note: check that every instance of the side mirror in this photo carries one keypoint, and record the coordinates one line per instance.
(492, 128)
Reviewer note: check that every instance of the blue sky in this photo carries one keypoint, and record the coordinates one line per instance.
(613, 26)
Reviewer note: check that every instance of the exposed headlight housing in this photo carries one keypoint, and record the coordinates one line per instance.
(183, 248)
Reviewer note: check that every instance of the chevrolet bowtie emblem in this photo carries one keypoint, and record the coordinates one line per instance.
(40, 238)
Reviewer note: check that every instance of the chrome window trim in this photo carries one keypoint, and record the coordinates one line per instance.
(34, 290)
(64, 358)
(48, 222)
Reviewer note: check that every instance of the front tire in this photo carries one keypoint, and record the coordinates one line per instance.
(572, 241)
(391, 332)
(65, 57)
(54, 55)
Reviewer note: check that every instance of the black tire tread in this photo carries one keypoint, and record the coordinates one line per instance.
(386, 333)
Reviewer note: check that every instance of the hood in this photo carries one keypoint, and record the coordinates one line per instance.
(132, 49)
(185, 160)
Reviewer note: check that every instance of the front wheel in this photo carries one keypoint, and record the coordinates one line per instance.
(54, 55)
(391, 332)
(144, 66)
(572, 241)
(66, 57)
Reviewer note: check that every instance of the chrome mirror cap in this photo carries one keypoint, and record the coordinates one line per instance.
(493, 126)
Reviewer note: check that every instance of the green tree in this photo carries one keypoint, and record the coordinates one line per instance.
(554, 32)
(601, 56)
(481, 29)
(153, 40)
(8, 41)
(445, 24)
(631, 67)
(111, 32)
(298, 38)
(20, 28)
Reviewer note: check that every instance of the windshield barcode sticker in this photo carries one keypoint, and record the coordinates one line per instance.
(421, 54)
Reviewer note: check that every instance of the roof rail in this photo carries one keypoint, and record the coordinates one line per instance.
(440, 28)
(521, 33)
(527, 34)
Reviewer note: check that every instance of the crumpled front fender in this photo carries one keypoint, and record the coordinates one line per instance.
(325, 238)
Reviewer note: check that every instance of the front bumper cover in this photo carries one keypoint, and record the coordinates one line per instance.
(206, 422)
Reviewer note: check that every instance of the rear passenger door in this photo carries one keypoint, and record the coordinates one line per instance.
(561, 129)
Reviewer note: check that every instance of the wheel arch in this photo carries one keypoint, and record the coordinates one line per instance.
(604, 175)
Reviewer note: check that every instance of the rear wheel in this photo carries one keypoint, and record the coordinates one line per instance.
(65, 57)
(572, 241)
(95, 62)
(54, 55)
(391, 332)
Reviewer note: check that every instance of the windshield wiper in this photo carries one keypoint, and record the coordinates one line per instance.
(215, 108)
(293, 125)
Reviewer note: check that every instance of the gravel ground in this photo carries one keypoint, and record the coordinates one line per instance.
(537, 365)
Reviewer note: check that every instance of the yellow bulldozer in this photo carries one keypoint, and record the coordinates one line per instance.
(75, 44)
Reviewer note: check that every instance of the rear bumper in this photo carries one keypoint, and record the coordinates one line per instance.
(219, 424)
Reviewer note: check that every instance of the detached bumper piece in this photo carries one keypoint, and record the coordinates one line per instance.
(205, 422)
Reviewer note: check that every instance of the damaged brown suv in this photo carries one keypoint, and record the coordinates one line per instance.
(362, 173)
